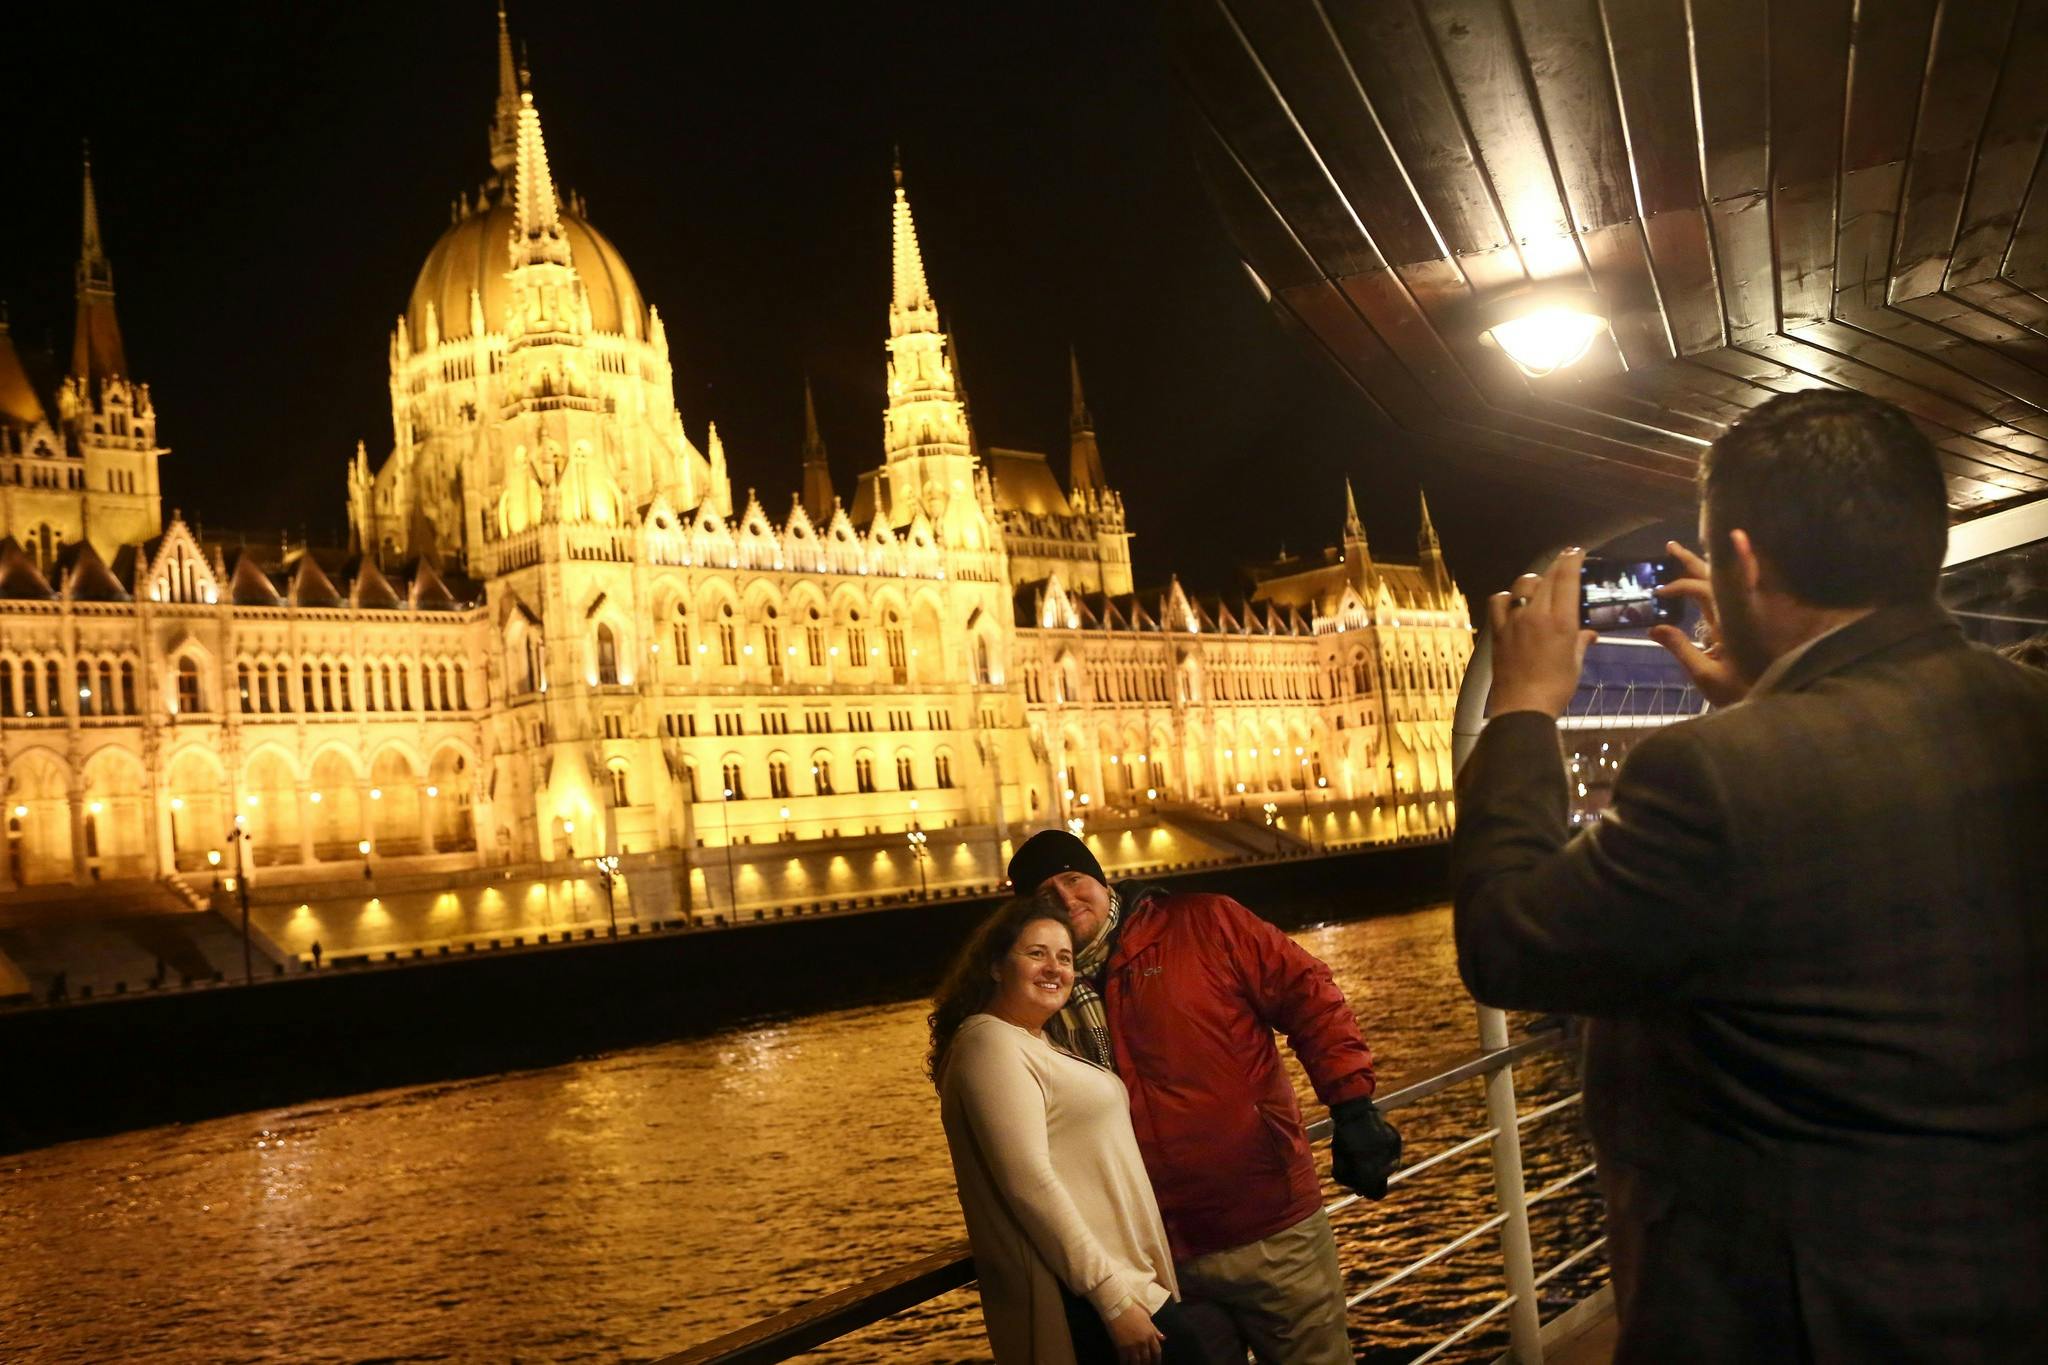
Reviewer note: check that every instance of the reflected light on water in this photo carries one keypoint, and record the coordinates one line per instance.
(626, 1205)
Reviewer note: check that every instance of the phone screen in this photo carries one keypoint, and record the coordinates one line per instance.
(1616, 594)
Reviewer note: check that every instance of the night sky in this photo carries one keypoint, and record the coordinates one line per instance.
(270, 182)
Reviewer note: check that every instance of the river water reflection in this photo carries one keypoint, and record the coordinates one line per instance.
(625, 1206)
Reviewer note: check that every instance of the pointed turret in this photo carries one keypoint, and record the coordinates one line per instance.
(1084, 459)
(1357, 553)
(537, 237)
(818, 497)
(96, 350)
(505, 123)
(1434, 571)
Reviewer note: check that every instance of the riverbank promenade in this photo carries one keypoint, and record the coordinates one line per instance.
(129, 937)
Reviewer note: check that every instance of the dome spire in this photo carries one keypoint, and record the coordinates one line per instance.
(536, 213)
(912, 294)
(505, 124)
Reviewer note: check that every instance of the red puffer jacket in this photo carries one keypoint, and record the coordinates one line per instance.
(1194, 990)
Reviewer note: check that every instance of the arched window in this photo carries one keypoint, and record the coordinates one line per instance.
(619, 794)
(536, 669)
(243, 689)
(188, 687)
(459, 688)
(341, 683)
(312, 702)
(87, 702)
(982, 672)
(814, 639)
(906, 775)
(7, 703)
(821, 773)
(735, 789)
(771, 637)
(679, 632)
(942, 766)
(778, 777)
(864, 772)
(728, 637)
(109, 700)
(892, 636)
(856, 640)
(404, 687)
(607, 657)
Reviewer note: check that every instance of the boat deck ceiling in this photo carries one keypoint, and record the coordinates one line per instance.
(1764, 197)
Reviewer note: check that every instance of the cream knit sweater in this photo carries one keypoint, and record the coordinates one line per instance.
(1052, 1187)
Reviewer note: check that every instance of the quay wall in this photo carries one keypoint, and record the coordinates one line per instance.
(110, 1064)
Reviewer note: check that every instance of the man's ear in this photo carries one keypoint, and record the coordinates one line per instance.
(1749, 570)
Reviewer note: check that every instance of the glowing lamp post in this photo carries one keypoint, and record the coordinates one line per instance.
(732, 885)
(917, 839)
(363, 847)
(608, 868)
(238, 834)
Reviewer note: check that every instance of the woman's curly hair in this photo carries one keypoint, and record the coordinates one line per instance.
(969, 983)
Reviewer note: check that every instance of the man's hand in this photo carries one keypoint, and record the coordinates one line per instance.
(1712, 672)
(1136, 1340)
(1364, 1148)
(1538, 645)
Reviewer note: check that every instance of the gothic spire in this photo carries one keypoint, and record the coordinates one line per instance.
(1353, 530)
(505, 123)
(817, 497)
(1078, 417)
(912, 294)
(1084, 459)
(96, 350)
(536, 213)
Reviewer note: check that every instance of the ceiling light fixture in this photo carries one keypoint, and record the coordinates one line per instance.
(1544, 330)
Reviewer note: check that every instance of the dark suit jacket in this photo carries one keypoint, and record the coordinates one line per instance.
(1813, 932)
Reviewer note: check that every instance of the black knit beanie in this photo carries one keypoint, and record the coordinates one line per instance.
(1047, 854)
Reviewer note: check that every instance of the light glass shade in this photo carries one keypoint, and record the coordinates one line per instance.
(1548, 339)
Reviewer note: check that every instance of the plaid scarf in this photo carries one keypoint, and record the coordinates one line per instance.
(1082, 1028)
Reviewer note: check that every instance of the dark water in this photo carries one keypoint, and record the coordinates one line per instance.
(623, 1207)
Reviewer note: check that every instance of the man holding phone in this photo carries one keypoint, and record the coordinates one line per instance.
(1810, 930)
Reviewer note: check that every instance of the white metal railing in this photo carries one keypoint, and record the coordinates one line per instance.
(905, 1286)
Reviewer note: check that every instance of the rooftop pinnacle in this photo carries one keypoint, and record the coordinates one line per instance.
(536, 221)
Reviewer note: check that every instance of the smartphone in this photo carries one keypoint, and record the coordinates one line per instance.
(1618, 594)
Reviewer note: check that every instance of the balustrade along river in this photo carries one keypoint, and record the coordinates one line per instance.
(627, 1205)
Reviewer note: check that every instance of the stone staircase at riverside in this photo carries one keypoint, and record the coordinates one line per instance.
(103, 937)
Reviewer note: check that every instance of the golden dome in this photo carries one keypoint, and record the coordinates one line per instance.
(471, 255)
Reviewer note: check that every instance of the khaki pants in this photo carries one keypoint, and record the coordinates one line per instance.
(1285, 1294)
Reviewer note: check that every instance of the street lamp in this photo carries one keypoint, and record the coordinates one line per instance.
(213, 861)
(732, 886)
(363, 847)
(608, 865)
(239, 834)
(917, 838)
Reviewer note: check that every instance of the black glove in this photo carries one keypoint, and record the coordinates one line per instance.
(1364, 1148)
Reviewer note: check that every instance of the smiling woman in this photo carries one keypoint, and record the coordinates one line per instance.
(1069, 1248)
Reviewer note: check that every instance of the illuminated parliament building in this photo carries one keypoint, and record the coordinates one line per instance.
(556, 632)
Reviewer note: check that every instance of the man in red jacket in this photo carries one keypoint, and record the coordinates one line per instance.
(1181, 994)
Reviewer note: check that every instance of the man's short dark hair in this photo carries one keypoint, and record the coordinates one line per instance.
(1840, 493)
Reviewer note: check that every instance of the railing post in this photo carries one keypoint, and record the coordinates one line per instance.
(1525, 1326)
